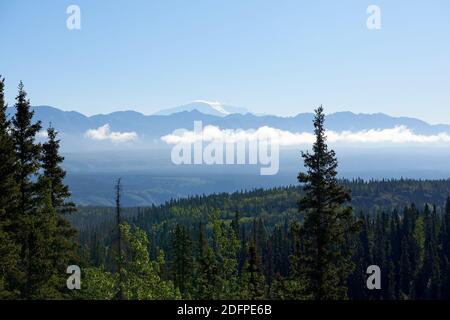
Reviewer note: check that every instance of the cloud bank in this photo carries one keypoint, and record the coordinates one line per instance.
(104, 133)
(397, 135)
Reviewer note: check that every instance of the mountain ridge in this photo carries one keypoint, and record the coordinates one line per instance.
(46, 108)
(73, 125)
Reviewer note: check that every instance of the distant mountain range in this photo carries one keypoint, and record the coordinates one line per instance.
(150, 176)
(150, 128)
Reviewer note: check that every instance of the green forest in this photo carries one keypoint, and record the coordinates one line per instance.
(311, 241)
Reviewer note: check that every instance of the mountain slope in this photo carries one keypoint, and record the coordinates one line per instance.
(205, 107)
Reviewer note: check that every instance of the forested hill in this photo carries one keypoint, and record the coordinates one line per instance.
(276, 204)
(404, 225)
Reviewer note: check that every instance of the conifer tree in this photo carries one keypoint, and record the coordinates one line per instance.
(207, 270)
(405, 271)
(253, 281)
(9, 249)
(326, 262)
(27, 152)
(182, 261)
(46, 250)
(120, 259)
(226, 248)
(64, 247)
(8, 187)
(9, 253)
(445, 240)
(429, 279)
(51, 163)
(295, 286)
(235, 224)
(445, 230)
(362, 259)
(45, 274)
(26, 171)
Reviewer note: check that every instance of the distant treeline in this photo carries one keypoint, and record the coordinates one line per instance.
(369, 197)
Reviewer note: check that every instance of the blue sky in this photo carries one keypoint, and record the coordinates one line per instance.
(279, 57)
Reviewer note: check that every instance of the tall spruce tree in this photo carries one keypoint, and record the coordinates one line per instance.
(34, 220)
(253, 281)
(8, 186)
(64, 242)
(28, 152)
(26, 170)
(326, 261)
(9, 249)
(51, 163)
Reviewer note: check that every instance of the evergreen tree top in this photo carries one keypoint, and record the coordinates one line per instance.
(4, 123)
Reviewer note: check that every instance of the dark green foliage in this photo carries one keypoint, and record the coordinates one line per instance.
(36, 243)
(379, 241)
(253, 284)
(65, 249)
(412, 267)
(28, 153)
(182, 266)
(207, 270)
(51, 165)
(326, 261)
(445, 258)
(9, 250)
(8, 185)
(28, 211)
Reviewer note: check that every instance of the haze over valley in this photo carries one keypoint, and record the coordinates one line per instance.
(100, 148)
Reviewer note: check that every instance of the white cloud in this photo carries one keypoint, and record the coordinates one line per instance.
(397, 135)
(42, 134)
(105, 133)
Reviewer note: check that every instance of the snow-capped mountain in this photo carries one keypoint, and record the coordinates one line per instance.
(206, 107)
